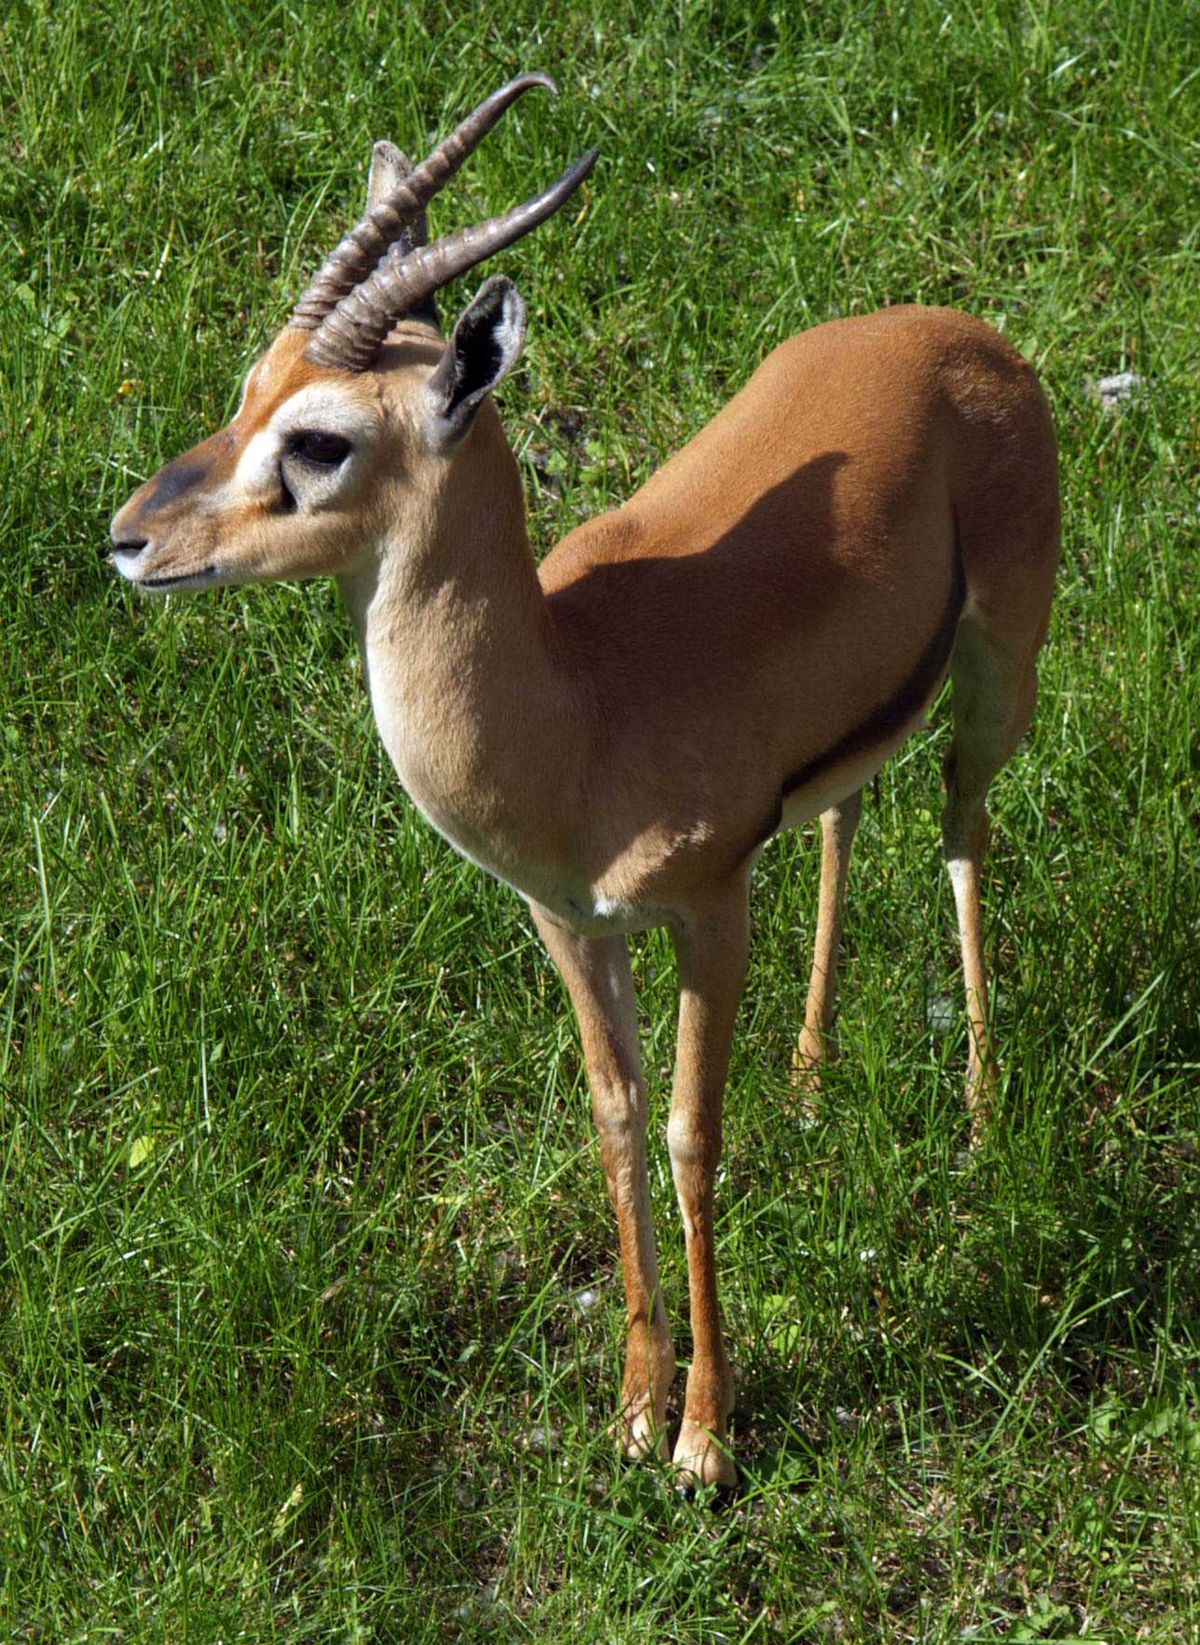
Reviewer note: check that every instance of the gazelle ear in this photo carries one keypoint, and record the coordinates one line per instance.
(389, 167)
(486, 344)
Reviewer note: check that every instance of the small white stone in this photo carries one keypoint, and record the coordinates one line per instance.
(1118, 390)
(940, 1014)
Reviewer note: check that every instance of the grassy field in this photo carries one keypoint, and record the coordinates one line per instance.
(310, 1324)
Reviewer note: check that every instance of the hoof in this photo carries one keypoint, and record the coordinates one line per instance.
(702, 1460)
(642, 1434)
(642, 1424)
(982, 1101)
(804, 1086)
(643, 1439)
(806, 1069)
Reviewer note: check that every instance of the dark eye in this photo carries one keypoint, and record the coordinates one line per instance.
(326, 450)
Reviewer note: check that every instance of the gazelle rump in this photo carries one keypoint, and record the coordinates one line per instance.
(734, 651)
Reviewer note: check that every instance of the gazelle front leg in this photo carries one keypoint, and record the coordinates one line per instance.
(596, 972)
(814, 1046)
(711, 950)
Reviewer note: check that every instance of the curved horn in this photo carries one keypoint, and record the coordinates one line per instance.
(371, 236)
(352, 335)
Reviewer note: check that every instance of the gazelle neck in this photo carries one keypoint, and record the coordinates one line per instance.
(470, 700)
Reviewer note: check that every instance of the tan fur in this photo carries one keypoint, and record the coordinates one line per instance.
(615, 735)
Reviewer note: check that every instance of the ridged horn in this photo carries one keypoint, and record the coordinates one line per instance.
(351, 336)
(385, 221)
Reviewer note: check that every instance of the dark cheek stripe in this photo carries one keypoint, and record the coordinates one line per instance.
(173, 481)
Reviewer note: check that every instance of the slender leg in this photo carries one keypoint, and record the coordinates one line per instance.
(712, 953)
(993, 704)
(815, 1045)
(964, 833)
(596, 972)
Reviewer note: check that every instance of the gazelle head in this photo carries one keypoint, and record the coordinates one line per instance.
(357, 395)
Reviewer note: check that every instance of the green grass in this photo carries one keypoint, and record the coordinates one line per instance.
(299, 1200)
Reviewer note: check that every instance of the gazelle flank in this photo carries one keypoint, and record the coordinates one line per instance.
(734, 651)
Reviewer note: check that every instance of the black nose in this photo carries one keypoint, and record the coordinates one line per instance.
(128, 545)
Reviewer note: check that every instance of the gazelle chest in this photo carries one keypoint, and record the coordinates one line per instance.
(436, 746)
(436, 764)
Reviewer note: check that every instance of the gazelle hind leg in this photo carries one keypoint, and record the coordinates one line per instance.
(993, 705)
(815, 1046)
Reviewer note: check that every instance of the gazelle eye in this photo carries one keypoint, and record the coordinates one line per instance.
(325, 450)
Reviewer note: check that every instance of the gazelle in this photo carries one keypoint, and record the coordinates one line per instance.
(617, 733)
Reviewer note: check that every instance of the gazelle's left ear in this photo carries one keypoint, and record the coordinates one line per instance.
(486, 344)
(389, 167)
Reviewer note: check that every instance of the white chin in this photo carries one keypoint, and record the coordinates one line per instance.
(127, 565)
(179, 585)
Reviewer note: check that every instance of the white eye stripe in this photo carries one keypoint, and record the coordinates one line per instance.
(319, 409)
(256, 467)
(327, 411)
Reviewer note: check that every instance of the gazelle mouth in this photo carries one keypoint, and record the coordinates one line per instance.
(167, 585)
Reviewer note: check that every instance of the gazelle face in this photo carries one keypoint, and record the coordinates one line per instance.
(286, 490)
(335, 421)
